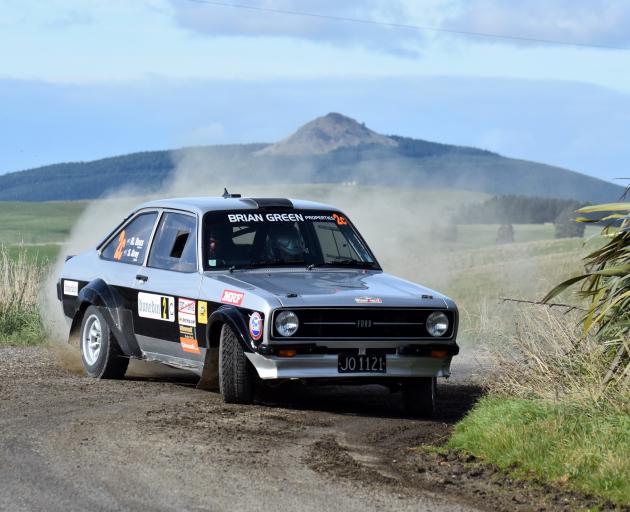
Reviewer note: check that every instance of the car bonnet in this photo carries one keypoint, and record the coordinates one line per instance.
(336, 288)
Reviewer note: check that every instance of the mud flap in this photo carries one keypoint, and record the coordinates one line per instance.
(210, 376)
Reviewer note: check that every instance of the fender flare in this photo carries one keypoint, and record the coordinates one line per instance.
(237, 320)
(120, 320)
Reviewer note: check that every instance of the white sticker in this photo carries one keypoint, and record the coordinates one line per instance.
(70, 288)
(186, 312)
(270, 217)
(157, 307)
(368, 300)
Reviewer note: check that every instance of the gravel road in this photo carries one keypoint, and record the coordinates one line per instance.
(154, 442)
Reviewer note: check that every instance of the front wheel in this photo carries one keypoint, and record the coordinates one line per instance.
(236, 375)
(101, 355)
(419, 396)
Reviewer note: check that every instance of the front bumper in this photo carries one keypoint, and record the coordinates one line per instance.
(324, 366)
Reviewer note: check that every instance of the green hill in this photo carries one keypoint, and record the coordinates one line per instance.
(330, 149)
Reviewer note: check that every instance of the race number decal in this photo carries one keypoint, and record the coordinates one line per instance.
(232, 297)
(156, 307)
(122, 241)
(340, 219)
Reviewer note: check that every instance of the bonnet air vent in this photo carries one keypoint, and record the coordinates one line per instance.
(269, 203)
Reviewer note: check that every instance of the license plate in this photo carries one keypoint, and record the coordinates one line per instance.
(361, 363)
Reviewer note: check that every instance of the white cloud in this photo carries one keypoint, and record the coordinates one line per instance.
(218, 20)
(598, 22)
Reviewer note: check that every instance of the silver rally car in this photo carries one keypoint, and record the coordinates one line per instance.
(243, 291)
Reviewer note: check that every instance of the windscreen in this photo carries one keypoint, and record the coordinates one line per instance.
(252, 239)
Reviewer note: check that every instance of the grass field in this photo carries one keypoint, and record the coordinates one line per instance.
(564, 441)
(583, 447)
(41, 223)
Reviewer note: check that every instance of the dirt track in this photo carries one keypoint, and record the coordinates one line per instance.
(154, 442)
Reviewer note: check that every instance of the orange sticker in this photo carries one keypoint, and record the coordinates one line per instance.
(190, 345)
(122, 241)
(340, 220)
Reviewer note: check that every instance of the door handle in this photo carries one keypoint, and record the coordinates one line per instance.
(141, 277)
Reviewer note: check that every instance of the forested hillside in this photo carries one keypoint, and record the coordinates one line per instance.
(401, 161)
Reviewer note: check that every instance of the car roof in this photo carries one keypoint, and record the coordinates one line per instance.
(202, 205)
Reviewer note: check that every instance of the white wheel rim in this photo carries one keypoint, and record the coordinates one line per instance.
(91, 340)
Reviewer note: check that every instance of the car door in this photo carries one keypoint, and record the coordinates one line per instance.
(122, 257)
(165, 317)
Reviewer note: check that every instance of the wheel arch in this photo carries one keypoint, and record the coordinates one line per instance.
(233, 317)
(112, 306)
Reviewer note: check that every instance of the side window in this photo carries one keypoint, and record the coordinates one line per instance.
(175, 243)
(130, 244)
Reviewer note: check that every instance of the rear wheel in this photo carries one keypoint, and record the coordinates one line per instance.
(236, 375)
(419, 396)
(101, 355)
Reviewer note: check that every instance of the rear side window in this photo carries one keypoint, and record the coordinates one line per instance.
(130, 244)
(175, 243)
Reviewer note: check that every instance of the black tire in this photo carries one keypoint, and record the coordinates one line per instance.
(419, 397)
(236, 374)
(108, 361)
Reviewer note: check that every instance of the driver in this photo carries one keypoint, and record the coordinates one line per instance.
(284, 243)
(221, 247)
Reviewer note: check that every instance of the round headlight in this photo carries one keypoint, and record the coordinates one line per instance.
(437, 324)
(287, 323)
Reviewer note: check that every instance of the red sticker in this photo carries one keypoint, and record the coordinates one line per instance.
(232, 297)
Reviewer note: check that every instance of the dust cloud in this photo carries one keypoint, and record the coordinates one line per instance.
(97, 220)
(397, 221)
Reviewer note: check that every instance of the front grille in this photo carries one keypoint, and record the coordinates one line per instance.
(364, 323)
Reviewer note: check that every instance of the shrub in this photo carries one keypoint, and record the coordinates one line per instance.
(20, 283)
(606, 286)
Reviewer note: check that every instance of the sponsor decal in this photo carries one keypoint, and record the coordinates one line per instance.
(186, 312)
(340, 219)
(368, 300)
(70, 288)
(269, 217)
(188, 339)
(156, 307)
(319, 217)
(202, 312)
(255, 326)
(189, 345)
(232, 297)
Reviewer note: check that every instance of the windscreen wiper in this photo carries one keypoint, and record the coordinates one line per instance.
(347, 262)
(273, 263)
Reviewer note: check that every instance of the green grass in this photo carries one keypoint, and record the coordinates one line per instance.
(21, 279)
(38, 222)
(21, 328)
(587, 449)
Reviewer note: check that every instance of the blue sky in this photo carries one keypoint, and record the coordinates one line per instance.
(82, 80)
